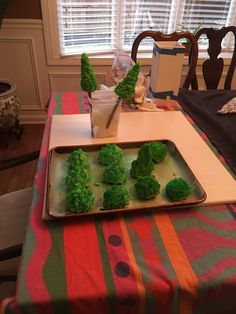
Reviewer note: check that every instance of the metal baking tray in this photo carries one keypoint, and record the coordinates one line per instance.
(172, 166)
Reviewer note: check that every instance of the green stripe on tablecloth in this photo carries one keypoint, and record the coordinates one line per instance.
(210, 259)
(140, 260)
(23, 295)
(185, 222)
(80, 102)
(58, 106)
(55, 266)
(106, 267)
(165, 261)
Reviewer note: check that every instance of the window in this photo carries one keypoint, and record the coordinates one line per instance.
(96, 26)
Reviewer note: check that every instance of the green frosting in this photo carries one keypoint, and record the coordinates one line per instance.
(80, 200)
(78, 158)
(88, 79)
(143, 165)
(110, 153)
(126, 88)
(114, 174)
(178, 189)
(78, 176)
(158, 151)
(116, 197)
(147, 187)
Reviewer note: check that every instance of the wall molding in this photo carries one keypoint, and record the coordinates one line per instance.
(101, 77)
(30, 43)
(22, 24)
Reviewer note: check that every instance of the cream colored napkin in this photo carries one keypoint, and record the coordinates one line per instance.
(229, 107)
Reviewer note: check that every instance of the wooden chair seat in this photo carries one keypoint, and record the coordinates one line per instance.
(14, 211)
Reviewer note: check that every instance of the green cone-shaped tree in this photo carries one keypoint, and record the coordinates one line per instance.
(125, 89)
(88, 79)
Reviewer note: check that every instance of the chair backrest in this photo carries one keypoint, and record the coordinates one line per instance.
(158, 36)
(212, 67)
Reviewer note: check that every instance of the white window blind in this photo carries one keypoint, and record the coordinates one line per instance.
(96, 26)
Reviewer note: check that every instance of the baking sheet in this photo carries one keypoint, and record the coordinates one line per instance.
(220, 186)
(172, 166)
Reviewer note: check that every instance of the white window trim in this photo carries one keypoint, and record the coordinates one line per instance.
(52, 44)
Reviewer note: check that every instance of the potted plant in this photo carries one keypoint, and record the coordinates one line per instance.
(9, 100)
(185, 28)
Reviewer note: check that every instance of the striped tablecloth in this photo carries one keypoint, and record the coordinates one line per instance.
(178, 261)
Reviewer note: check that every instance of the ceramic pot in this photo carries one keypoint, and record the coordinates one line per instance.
(9, 105)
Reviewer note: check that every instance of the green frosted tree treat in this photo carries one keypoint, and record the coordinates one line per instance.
(178, 189)
(78, 158)
(147, 187)
(114, 174)
(80, 200)
(88, 79)
(143, 165)
(158, 151)
(126, 88)
(110, 153)
(78, 176)
(116, 197)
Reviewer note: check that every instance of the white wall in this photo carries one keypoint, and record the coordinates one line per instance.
(24, 61)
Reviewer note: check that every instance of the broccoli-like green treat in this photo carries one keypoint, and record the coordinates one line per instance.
(178, 189)
(78, 176)
(143, 165)
(114, 174)
(78, 158)
(110, 153)
(147, 187)
(80, 200)
(158, 151)
(116, 197)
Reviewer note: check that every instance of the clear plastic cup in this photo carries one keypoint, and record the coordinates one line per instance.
(100, 114)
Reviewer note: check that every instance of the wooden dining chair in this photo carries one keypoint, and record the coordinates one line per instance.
(212, 67)
(158, 36)
(14, 211)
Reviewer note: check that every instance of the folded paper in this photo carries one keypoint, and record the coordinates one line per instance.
(166, 69)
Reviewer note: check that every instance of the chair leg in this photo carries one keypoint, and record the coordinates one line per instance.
(3, 139)
(7, 278)
(11, 252)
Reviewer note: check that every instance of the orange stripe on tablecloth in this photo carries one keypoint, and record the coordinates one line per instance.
(137, 273)
(179, 261)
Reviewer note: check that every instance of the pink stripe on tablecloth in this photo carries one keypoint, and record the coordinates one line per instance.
(70, 103)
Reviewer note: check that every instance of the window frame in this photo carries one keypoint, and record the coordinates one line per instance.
(52, 42)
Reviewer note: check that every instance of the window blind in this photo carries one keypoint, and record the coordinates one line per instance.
(96, 26)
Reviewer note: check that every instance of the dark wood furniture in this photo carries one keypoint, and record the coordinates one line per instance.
(14, 210)
(212, 68)
(158, 36)
(5, 133)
